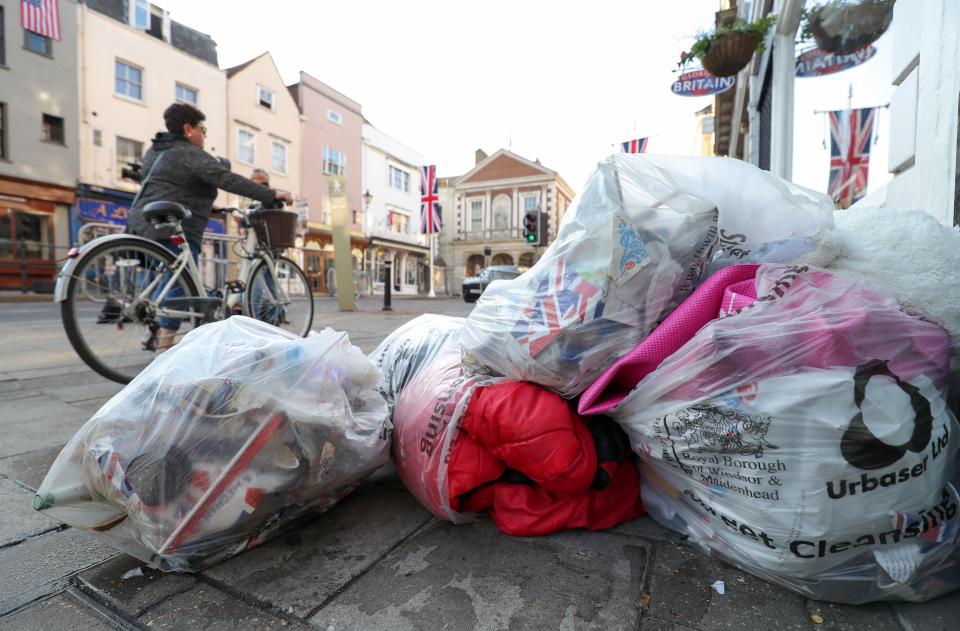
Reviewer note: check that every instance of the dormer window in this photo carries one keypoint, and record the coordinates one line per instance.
(140, 14)
(266, 98)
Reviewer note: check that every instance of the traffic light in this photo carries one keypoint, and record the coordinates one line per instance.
(531, 227)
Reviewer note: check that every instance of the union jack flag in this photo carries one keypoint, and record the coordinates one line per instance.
(635, 146)
(41, 17)
(851, 133)
(563, 298)
(430, 218)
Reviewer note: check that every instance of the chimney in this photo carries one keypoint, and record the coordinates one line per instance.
(480, 156)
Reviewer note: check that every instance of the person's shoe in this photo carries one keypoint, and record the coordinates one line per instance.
(110, 313)
(166, 338)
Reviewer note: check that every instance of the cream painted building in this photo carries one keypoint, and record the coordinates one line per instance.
(391, 184)
(263, 125)
(128, 77)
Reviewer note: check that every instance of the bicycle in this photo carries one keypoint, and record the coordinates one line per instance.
(113, 290)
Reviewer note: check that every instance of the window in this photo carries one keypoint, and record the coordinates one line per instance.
(502, 209)
(410, 276)
(156, 25)
(399, 179)
(530, 202)
(334, 162)
(37, 43)
(127, 151)
(52, 129)
(266, 98)
(246, 146)
(25, 234)
(3, 131)
(398, 222)
(3, 44)
(186, 94)
(97, 138)
(476, 216)
(334, 116)
(278, 158)
(140, 14)
(128, 81)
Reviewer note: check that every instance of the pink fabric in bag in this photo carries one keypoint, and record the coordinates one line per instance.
(728, 290)
(808, 318)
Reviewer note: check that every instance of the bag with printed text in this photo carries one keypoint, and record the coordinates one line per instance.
(794, 423)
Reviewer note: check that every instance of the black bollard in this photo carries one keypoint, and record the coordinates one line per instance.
(387, 284)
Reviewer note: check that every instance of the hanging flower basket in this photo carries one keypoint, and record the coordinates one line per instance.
(730, 53)
(843, 26)
(729, 49)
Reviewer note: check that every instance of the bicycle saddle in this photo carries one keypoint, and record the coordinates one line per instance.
(165, 212)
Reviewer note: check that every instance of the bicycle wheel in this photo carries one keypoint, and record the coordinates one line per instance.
(288, 305)
(108, 324)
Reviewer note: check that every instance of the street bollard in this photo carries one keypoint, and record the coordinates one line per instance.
(387, 284)
(23, 274)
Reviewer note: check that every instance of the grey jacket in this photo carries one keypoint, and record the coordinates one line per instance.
(189, 176)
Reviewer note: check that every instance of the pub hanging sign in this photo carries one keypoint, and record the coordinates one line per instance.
(701, 83)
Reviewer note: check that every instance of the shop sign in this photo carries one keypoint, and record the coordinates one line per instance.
(111, 212)
(701, 83)
(818, 63)
(102, 211)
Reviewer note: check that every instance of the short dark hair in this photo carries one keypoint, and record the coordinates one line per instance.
(179, 114)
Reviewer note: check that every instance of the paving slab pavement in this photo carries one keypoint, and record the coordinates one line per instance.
(376, 560)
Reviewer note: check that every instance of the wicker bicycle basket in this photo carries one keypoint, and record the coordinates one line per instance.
(729, 53)
(275, 228)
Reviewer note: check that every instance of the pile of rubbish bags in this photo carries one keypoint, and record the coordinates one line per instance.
(703, 342)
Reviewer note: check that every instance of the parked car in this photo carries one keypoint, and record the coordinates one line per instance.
(473, 286)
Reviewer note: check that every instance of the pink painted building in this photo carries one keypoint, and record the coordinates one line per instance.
(331, 145)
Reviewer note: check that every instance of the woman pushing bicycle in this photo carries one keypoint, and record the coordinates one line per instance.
(177, 169)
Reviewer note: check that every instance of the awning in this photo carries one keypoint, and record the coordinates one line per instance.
(399, 245)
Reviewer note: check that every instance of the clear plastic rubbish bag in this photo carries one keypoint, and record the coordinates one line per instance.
(221, 442)
(635, 243)
(798, 429)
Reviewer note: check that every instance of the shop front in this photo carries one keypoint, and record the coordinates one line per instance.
(409, 266)
(318, 260)
(33, 233)
(99, 211)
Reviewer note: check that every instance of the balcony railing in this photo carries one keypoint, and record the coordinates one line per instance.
(489, 234)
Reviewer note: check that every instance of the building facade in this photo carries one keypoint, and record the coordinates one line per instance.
(490, 201)
(331, 145)
(924, 117)
(133, 67)
(263, 132)
(391, 185)
(443, 272)
(924, 128)
(39, 157)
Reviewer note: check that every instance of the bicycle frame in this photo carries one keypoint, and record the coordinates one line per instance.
(184, 263)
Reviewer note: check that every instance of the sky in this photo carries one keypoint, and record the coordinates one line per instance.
(563, 81)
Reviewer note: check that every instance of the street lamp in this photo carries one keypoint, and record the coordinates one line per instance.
(367, 198)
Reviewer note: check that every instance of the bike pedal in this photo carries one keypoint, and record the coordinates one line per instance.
(235, 286)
